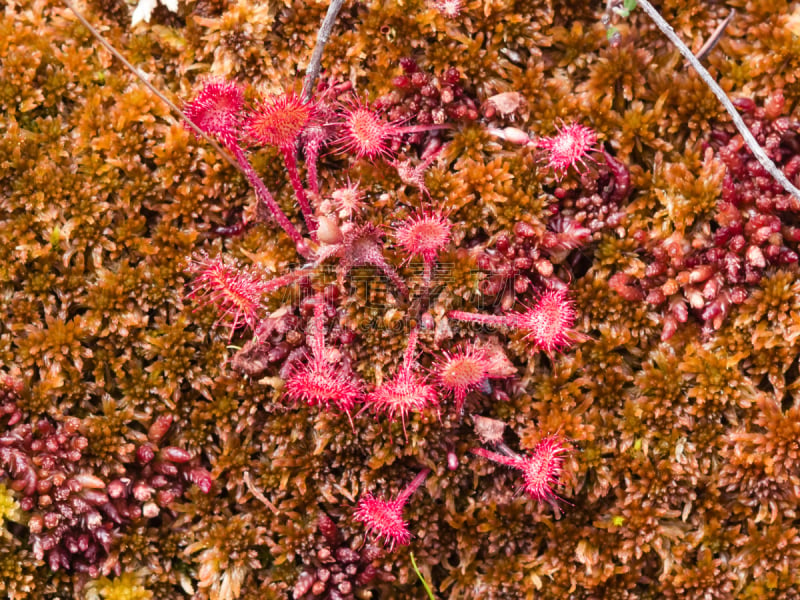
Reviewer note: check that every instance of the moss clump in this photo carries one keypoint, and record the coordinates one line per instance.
(9, 507)
(127, 586)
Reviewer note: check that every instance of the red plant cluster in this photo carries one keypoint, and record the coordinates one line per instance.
(74, 515)
(422, 98)
(336, 569)
(318, 375)
(276, 338)
(542, 256)
(528, 259)
(597, 203)
(755, 225)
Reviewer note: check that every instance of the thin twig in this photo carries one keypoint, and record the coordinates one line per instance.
(259, 496)
(751, 142)
(100, 38)
(715, 37)
(314, 66)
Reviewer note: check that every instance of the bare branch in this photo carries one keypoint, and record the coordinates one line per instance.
(100, 38)
(715, 37)
(314, 66)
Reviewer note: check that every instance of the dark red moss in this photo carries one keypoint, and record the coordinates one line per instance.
(337, 570)
(421, 98)
(716, 263)
(74, 516)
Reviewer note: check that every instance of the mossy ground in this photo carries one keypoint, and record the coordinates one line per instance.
(685, 476)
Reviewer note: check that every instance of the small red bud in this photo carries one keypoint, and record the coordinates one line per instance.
(738, 295)
(36, 524)
(701, 273)
(142, 492)
(166, 497)
(90, 481)
(303, 584)
(318, 588)
(159, 428)
(655, 296)
(201, 478)
(159, 481)
(145, 453)
(524, 230)
(452, 460)
(402, 82)
(165, 468)
(150, 510)
(502, 243)
(452, 76)
(367, 575)
(447, 95)
(544, 267)
(696, 299)
(755, 257)
(679, 311)
(173, 454)
(428, 91)
(116, 489)
(94, 497)
(712, 288)
(737, 243)
(408, 65)
(346, 555)
(418, 79)
(670, 287)
(329, 530)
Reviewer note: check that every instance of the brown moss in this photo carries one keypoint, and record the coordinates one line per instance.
(18, 569)
(680, 483)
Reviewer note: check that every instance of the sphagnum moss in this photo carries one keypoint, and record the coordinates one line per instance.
(682, 476)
